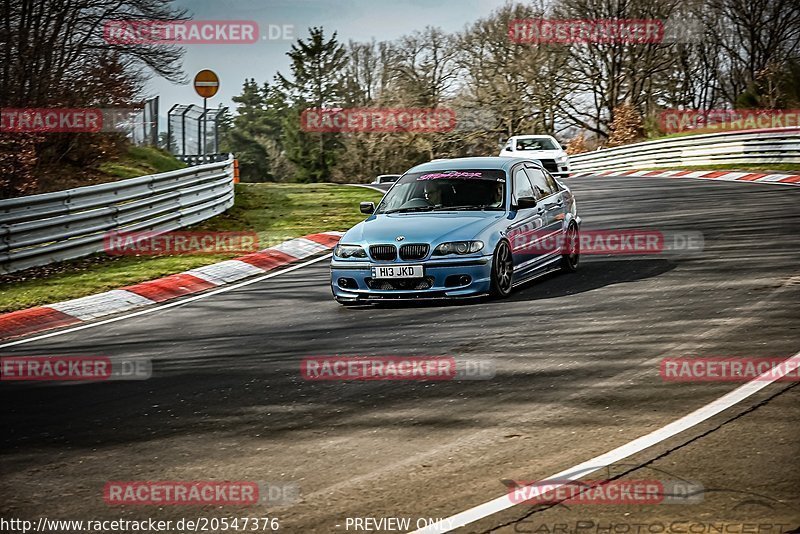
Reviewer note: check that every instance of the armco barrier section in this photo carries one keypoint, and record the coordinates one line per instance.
(41, 229)
(752, 147)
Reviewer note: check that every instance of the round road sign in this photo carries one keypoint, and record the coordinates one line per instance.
(206, 83)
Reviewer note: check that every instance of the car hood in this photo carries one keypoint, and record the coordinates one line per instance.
(421, 227)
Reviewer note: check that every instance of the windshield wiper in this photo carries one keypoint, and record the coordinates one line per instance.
(405, 210)
(464, 208)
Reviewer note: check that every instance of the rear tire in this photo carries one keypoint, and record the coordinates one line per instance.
(571, 251)
(502, 271)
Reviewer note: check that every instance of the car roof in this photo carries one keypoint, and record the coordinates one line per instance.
(532, 136)
(457, 164)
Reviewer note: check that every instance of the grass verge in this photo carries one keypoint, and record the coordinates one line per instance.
(132, 162)
(141, 160)
(275, 211)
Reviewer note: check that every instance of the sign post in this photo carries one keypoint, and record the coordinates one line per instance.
(206, 84)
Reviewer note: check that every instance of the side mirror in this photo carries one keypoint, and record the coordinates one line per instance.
(367, 207)
(526, 202)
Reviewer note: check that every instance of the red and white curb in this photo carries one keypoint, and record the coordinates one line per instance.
(724, 176)
(124, 299)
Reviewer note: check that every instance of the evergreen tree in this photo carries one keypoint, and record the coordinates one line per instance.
(242, 139)
(315, 82)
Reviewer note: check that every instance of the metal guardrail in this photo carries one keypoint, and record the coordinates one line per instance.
(756, 146)
(42, 229)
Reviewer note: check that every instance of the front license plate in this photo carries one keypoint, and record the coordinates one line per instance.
(397, 271)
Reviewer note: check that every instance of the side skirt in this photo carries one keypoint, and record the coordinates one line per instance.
(547, 268)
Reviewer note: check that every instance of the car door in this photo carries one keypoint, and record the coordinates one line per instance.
(526, 222)
(558, 213)
(550, 204)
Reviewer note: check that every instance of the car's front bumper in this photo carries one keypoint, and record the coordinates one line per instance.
(563, 170)
(441, 279)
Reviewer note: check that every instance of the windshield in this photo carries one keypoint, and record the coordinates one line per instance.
(538, 143)
(479, 189)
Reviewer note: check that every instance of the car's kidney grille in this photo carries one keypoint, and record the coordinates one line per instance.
(414, 252)
(383, 252)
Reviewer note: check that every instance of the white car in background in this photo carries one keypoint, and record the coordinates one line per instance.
(543, 148)
(386, 179)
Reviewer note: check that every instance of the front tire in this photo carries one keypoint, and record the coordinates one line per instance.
(502, 270)
(571, 251)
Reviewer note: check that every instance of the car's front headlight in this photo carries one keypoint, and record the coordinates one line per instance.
(458, 247)
(562, 160)
(349, 251)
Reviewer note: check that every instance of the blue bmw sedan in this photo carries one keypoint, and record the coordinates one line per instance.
(458, 228)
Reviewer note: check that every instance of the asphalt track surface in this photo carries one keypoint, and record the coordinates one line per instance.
(577, 361)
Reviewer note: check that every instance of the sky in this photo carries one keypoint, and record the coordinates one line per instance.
(359, 20)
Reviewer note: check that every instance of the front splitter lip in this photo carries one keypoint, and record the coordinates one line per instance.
(479, 288)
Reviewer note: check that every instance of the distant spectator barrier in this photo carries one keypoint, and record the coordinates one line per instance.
(42, 229)
(751, 147)
(200, 159)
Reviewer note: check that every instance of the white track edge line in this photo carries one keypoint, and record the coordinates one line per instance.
(637, 445)
(165, 306)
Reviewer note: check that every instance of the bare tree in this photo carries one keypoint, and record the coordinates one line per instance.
(616, 72)
(501, 76)
(758, 38)
(422, 67)
(54, 54)
(49, 47)
(364, 76)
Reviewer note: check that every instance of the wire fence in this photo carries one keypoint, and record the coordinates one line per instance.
(193, 131)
